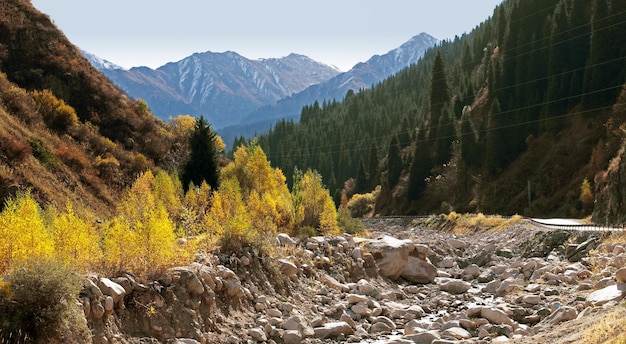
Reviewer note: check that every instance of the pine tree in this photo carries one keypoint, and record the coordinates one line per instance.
(202, 164)
(373, 175)
(361, 178)
(420, 168)
(394, 163)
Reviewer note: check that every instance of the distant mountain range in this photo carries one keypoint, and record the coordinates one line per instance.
(224, 87)
(240, 96)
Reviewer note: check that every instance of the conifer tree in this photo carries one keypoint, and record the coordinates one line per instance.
(420, 168)
(361, 178)
(202, 164)
(373, 166)
(394, 163)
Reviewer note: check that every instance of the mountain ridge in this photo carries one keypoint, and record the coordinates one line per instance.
(221, 86)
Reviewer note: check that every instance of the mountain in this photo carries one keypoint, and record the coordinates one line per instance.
(100, 63)
(224, 87)
(362, 76)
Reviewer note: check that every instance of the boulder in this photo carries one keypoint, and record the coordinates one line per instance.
(456, 333)
(496, 316)
(424, 337)
(333, 283)
(455, 286)
(564, 313)
(112, 289)
(419, 271)
(614, 292)
(333, 330)
(298, 323)
(292, 337)
(391, 255)
(288, 268)
(456, 244)
(620, 275)
(257, 334)
(283, 239)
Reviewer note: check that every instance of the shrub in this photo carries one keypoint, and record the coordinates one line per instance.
(43, 154)
(349, 224)
(72, 157)
(41, 304)
(13, 149)
(57, 115)
(361, 205)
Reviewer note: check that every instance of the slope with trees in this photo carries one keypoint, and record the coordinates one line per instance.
(510, 118)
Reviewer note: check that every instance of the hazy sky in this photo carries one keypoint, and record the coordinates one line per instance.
(337, 32)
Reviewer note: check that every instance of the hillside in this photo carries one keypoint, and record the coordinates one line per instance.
(510, 118)
(67, 132)
(224, 87)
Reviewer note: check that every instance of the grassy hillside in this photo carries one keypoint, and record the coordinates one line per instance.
(66, 132)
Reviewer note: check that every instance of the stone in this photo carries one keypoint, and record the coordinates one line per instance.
(355, 298)
(333, 330)
(380, 327)
(471, 272)
(333, 283)
(446, 263)
(97, 310)
(383, 319)
(455, 286)
(563, 313)
(292, 337)
(620, 275)
(108, 304)
(614, 292)
(531, 299)
(419, 271)
(274, 313)
(413, 327)
(257, 334)
(456, 244)
(185, 341)
(457, 333)
(283, 239)
(391, 255)
(288, 268)
(424, 337)
(298, 323)
(422, 251)
(346, 318)
(496, 316)
(112, 289)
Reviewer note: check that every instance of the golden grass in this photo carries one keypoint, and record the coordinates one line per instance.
(610, 330)
(465, 223)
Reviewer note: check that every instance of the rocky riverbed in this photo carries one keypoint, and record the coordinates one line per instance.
(411, 281)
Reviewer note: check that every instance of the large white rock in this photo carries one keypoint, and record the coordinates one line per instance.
(284, 239)
(614, 292)
(391, 255)
(419, 271)
(333, 330)
(564, 313)
(288, 268)
(112, 289)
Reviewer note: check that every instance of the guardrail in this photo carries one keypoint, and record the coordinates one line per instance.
(592, 227)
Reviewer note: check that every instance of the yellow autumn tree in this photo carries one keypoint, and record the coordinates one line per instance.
(194, 208)
(168, 190)
(314, 207)
(264, 190)
(144, 222)
(76, 242)
(228, 218)
(23, 234)
(56, 113)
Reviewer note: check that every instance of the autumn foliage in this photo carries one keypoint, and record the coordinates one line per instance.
(153, 216)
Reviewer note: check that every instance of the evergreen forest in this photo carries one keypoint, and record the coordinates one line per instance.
(516, 117)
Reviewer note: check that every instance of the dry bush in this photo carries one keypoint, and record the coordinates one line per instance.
(14, 149)
(57, 115)
(41, 304)
(72, 157)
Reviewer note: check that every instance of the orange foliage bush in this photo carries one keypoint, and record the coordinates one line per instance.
(14, 149)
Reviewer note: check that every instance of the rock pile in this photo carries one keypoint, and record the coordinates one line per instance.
(427, 287)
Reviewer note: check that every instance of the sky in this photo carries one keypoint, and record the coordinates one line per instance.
(341, 33)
